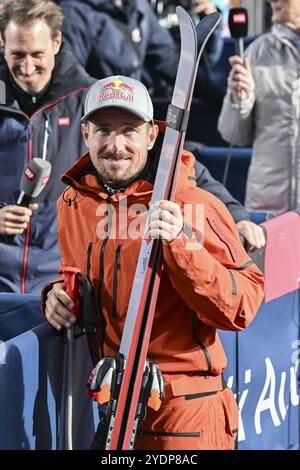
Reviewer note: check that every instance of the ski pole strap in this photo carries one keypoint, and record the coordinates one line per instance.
(177, 118)
(83, 304)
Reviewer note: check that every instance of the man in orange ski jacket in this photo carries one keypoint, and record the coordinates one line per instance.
(208, 281)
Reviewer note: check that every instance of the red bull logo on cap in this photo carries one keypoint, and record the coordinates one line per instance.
(116, 89)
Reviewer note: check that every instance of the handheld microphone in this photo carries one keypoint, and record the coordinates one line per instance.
(33, 181)
(238, 26)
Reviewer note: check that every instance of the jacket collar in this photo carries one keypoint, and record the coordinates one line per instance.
(83, 177)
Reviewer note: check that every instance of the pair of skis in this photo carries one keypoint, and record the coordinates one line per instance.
(127, 370)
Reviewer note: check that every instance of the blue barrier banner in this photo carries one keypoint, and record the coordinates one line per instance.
(18, 313)
(268, 376)
(30, 384)
(265, 374)
(262, 368)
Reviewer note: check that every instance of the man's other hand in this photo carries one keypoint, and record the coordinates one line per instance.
(205, 7)
(14, 219)
(253, 234)
(57, 304)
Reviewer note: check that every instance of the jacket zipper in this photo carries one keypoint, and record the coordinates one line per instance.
(101, 267)
(88, 260)
(199, 342)
(27, 236)
(115, 289)
(88, 275)
(46, 136)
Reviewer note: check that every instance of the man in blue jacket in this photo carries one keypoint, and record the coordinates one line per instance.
(119, 37)
(45, 89)
(124, 37)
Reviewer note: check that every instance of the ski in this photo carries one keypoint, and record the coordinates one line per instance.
(130, 378)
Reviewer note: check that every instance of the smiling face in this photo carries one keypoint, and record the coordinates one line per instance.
(118, 143)
(30, 54)
(286, 12)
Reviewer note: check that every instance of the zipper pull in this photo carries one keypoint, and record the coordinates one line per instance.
(46, 136)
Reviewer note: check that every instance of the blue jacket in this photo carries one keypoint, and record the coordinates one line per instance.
(95, 31)
(30, 260)
(100, 34)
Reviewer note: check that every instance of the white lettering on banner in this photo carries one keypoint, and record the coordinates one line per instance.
(264, 403)
(282, 407)
(294, 386)
(241, 430)
(279, 393)
(296, 354)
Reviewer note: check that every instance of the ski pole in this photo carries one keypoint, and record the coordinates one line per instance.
(83, 311)
(69, 391)
(72, 289)
(61, 431)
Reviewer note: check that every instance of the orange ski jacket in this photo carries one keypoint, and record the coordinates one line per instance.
(208, 280)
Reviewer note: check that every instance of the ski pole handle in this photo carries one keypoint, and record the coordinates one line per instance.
(72, 288)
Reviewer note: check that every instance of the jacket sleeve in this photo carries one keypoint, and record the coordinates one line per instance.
(211, 271)
(236, 121)
(206, 181)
